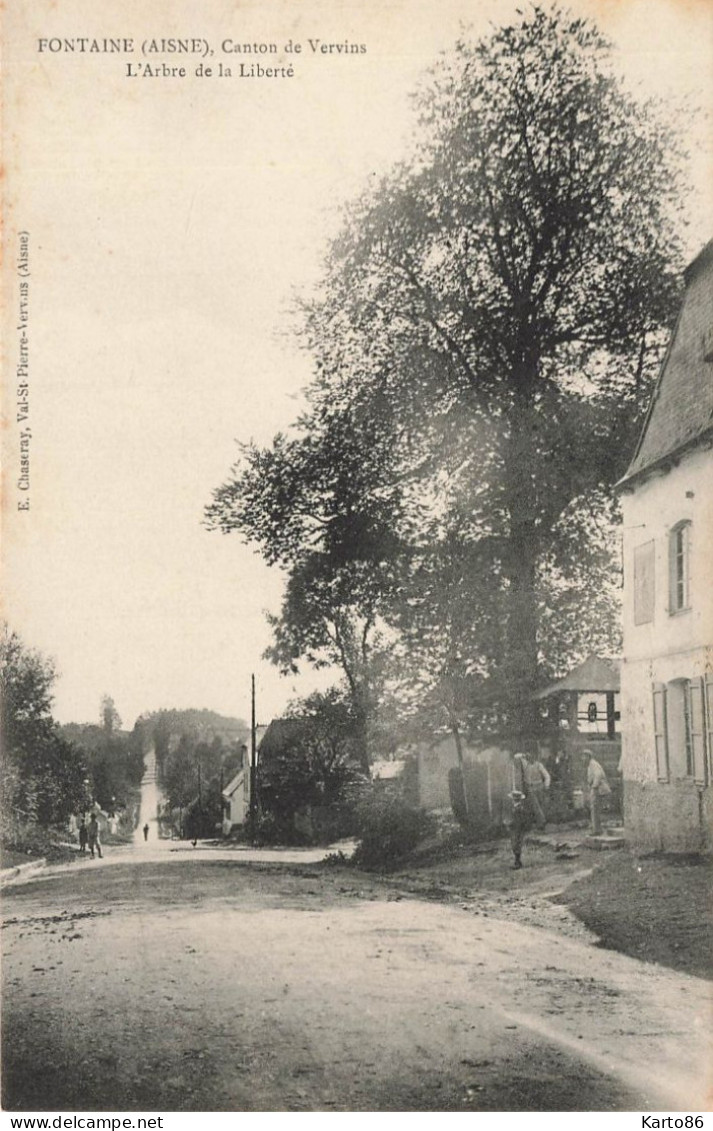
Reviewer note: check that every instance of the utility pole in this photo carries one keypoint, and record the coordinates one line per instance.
(253, 761)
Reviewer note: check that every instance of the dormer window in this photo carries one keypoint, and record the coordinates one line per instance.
(680, 568)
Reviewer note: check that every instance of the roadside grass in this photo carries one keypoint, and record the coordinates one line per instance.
(54, 851)
(656, 908)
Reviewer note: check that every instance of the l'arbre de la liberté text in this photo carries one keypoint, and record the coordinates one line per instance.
(242, 71)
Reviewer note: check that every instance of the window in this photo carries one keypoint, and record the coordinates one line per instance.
(644, 583)
(686, 729)
(679, 568)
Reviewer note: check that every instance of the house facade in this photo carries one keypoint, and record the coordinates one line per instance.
(667, 668)
(236, 797)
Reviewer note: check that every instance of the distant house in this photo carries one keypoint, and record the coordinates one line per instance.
(388, 770)
(236, 794)
(236, 797)
(667, 671)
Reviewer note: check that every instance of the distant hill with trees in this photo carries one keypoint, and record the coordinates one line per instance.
(197, 753)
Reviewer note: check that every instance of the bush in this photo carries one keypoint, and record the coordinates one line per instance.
(35, 841)
(388, 829)
(269, 829)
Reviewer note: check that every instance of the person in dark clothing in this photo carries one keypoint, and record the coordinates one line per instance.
(531, 778)
(93, 836)
(82, 836)
(146, 831)
(521, 823)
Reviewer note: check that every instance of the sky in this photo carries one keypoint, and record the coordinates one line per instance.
(171, 224)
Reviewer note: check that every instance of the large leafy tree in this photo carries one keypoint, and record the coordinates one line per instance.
(488, 323)
(325, 506)
(44, 775)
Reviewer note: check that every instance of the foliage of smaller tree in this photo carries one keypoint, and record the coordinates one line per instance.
(309, 778)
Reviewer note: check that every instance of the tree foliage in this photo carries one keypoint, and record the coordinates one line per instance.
(484, 337)
(44, 775)
(114, 758)
(312, 767)
(197, 753)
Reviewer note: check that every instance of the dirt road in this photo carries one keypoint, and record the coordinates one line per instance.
(212, 985)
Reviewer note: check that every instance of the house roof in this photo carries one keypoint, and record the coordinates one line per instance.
(594, 674)
(235, 783)
(680, 414)
(279, 734)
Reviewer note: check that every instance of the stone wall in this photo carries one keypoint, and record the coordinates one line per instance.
(673, 816)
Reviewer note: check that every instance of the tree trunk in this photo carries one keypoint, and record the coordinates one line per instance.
(455, 731)
(521, 631)
(361, 727)
(520, 565)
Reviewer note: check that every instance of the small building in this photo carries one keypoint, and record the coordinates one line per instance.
(236, 794)
(583, 712)
(485, 771)
(587, 700)
(236, 798)
(388, 771)
(667, 670)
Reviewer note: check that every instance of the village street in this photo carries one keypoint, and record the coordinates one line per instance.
(169, 981)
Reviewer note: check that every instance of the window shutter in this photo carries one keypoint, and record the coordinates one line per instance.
(695, 692)
(708, 707)
(660, 731)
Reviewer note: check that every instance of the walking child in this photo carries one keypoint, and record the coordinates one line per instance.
(520, 824)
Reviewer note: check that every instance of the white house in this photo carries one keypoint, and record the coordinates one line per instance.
(236, 796)
(667, 669)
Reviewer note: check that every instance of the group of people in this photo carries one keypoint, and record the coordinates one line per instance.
(531, 781)
(89, 837)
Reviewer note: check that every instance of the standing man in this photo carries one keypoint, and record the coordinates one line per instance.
(538, 783)
(598, 787)
(82, 836)
(532, 779)
(93, 836)
(146, 831)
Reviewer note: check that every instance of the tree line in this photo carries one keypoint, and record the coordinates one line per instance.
(49, 771)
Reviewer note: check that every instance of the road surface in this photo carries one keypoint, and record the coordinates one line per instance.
(228, 985)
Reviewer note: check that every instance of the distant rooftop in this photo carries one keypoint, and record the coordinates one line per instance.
(681, 411)
(594, 674)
